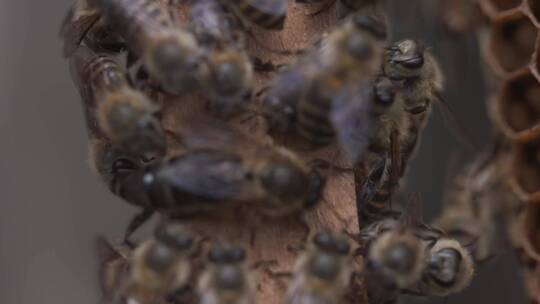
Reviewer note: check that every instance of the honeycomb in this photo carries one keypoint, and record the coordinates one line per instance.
(511, 48)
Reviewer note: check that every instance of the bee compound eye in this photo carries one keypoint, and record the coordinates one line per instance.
(230, 277)
(413, 63)
(359, 47)
(217, 255)
(325, 266)
(123, 165)
(237, 254)
(169, 56)
(323, 240)
(159, 258)
(174, 236)
(342, 246)
(400, 258)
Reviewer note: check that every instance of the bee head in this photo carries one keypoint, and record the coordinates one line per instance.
(325, 266)
(160, 258)
(384, 92)
(285, 181)
(405, 59)
(444, 265)
(330, 243)
(400, 258)
(230, 277)
(227, 255)
(130, 121)
(175, 236)
(176, 61)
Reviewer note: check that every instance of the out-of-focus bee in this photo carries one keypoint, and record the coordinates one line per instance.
(161, 265)
(323, 272)
(113, 109)
(170, 54)
(473, 202)
(449, 269)
(226, 278)
(323, 96)
(221, 167)
(84, 24)
(395, 253)
(114, 267)
(269, 14)
(230, 79)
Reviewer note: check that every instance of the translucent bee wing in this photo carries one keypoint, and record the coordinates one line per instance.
(206, 174)
(350, 118)
(74, 27)
(77, 64)
(206, 132)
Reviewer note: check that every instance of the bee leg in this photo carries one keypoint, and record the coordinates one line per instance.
(366, 192)
(135, 224)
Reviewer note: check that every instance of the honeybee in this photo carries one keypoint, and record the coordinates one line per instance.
(409, 64)
(84, 24)
(170, 53)
(322, 96)
(230, 78)
(323, 272)
(221, 167)
(161, 265)
(113, 109)
(269, 14)
(449, 269)
(473, 202)
(417, 81)
(394, 248)
(226, 278)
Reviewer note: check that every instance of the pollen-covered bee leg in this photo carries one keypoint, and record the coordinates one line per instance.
(135, 224)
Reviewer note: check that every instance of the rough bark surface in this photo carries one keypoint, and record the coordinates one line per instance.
(337, 210)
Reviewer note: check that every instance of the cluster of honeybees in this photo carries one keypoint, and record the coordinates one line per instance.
(353, 89)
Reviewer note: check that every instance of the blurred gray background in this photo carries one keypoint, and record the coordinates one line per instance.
(52, 205)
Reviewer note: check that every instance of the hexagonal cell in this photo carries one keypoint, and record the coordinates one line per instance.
(526, 171)
(532, 226)
(518, 106)
(512, 42)
(533, 6)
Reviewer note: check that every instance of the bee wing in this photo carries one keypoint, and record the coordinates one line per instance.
(205, 132)
(349, 116)
(77, 64)
(455, 125)
(208, 174)
(74, 27)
